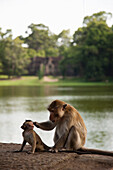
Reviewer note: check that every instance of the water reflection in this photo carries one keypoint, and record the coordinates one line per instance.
(94, 103)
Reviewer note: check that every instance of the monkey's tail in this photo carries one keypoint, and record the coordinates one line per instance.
(94, 151)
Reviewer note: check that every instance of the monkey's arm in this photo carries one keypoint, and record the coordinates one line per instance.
(49, 125)
(23, 144)
(22, 147)
(60, 143)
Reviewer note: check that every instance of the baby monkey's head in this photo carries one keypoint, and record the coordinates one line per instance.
(27, 125)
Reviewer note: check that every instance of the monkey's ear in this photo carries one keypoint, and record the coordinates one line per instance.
(64, 106)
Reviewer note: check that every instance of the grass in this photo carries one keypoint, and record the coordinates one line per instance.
(23, 81)
(34, 81)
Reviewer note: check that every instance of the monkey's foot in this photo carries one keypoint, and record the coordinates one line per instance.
(53, 150)
(63, 149)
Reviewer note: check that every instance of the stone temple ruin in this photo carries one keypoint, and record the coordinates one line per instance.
(50, 65)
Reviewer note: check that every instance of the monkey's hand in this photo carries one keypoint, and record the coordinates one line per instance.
(36, 124)
(29, 152)
(17, 151)
(53, 150)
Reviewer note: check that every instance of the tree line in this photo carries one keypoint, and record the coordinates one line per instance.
(88, 54)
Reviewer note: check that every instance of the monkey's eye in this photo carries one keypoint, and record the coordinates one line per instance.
(50, 110)
(56, 115)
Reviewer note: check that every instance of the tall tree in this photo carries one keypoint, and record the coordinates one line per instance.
(42, 40)
(63, 41)
(13, 56)
(91, 51)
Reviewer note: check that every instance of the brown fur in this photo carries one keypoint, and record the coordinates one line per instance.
(32, 138)
(70, 128)
(70, 134)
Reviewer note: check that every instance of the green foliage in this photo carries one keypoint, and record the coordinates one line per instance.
(41, 40)
(13, 57)
(41, 53)
(63, 41)
(89, 55)
(45, 43)
(31, 52)
(52, 52)
(101, 16)
(91, 52)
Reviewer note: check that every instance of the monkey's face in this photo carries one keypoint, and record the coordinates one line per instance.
(27, 125)
(57, 110)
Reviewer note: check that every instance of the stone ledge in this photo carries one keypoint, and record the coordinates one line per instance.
(45, 160)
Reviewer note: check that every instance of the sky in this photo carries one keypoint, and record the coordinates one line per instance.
(58, 15)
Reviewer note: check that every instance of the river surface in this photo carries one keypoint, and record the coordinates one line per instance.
(94, 103)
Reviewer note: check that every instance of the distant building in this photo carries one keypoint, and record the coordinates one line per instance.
(51, 65)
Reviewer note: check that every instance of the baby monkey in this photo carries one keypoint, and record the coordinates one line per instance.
(32, 138)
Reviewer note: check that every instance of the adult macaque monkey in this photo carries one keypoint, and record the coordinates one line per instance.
(32, 138)
(70, 134)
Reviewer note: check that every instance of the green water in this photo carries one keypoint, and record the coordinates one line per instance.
(95, 104)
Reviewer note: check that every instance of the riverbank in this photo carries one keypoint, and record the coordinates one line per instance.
(44, 160)
(51, 81)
